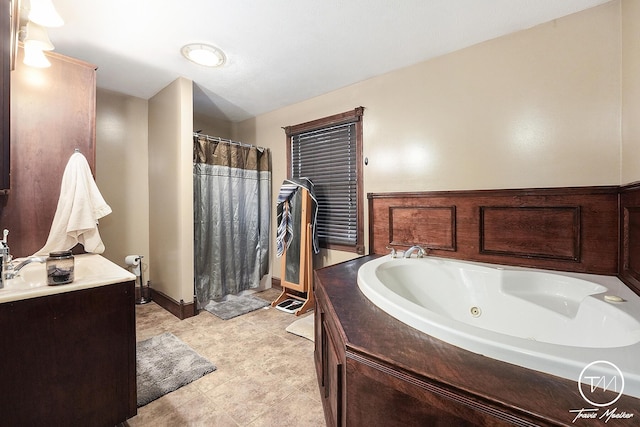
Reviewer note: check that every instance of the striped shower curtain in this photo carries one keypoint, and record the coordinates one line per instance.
(232, 207)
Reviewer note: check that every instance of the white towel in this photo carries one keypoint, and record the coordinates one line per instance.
(79, 207)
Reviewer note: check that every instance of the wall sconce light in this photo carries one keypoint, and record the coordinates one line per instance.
(34, 57)
(44, 13)
(35, 38)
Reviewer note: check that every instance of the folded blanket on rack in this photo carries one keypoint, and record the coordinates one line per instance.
(284, 219)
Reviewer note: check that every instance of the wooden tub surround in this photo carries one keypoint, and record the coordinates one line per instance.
(374, 370)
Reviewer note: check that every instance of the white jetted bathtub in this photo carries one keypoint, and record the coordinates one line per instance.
(554, 322)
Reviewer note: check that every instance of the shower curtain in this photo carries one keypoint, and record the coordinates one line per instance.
(232, 207)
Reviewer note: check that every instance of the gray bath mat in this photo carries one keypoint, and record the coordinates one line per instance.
(234, 306)
(164, 364)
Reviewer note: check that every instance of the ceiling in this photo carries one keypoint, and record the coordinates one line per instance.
(279, 52)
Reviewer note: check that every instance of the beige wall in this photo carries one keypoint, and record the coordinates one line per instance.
(212, 126)
(630, 91)
(122, 175)
(538, 108)
(550, 106)
(171, 190)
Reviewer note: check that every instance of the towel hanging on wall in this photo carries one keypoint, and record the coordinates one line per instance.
(79, 207)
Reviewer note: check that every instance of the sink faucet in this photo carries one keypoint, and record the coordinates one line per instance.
(7, 270)
(5, 261)
(419, 249)
(13, 271)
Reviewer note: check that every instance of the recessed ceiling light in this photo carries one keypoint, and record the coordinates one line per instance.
(203, 54)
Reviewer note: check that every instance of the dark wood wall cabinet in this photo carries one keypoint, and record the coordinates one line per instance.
(53, 113)
(9, 15)
(69, 359)
(5, 95)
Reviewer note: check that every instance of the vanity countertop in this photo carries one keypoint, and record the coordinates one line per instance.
(90, 271)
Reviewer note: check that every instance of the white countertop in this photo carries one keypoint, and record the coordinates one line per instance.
(90, 271)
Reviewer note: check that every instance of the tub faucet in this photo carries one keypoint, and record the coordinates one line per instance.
(419, 249)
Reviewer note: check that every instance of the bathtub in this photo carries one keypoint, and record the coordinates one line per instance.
(554, 322)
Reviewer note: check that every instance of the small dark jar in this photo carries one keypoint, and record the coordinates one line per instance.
(60, 268)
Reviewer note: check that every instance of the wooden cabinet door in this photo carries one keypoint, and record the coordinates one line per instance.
(69, 359)
(333, 378)
(53, 112)
(329, 368)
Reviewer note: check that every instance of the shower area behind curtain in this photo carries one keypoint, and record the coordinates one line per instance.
(232, 207)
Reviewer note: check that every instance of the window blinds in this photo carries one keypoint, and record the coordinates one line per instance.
(328, 156)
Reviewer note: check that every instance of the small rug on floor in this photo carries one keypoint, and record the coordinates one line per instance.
(302, 327)
(164, 364)
(235, 305)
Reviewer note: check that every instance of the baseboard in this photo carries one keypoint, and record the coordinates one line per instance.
(180, 309)
(276, 282)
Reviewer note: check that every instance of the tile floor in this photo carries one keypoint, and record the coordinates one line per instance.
(265, 376)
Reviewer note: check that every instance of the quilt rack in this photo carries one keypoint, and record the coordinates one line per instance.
(297, 266)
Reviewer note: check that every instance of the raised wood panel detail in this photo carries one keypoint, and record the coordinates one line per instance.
(407, 401)
(630, 236)
(531, 232)
(631, 252)
(430, 227)
(569, 229)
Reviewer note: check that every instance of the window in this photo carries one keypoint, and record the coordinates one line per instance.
(329, 152)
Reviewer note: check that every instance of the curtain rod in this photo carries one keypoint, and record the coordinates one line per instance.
(219, 139)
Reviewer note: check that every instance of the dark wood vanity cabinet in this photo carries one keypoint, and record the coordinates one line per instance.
(329, 358)
(69, 359)
(358, 390)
